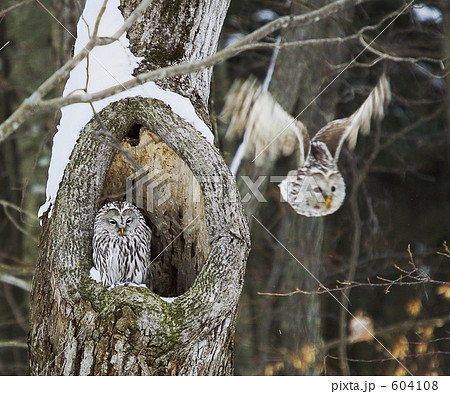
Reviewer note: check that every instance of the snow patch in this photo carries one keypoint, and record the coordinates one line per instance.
(106, 66)
(233, 38)
(265, 15)
(169, 300)
(426, 14)
(95, 275)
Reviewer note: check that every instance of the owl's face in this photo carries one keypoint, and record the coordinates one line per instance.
(325, 194)
(119, 220)
(317, 188)
(314, 193)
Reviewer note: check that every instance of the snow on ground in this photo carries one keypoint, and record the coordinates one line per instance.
(106, 66)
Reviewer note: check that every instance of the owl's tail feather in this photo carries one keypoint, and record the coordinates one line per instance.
(372, 108)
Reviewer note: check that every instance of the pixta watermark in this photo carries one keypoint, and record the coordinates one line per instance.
(151, 188)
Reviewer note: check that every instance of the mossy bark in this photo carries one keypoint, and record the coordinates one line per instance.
(80, 327)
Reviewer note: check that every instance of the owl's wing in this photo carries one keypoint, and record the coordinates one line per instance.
(269, 131)
(336, 132)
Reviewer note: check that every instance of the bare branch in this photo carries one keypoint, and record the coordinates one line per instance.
(35, 102)
(413, 277)
(22, 345)
(4, 45)
(12, 280)
(383, 56)
(9, 9)
(8, 204)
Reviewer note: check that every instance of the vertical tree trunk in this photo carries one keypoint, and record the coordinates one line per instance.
(78, 326)
(11, 239)
(302, 73)
(292, 324)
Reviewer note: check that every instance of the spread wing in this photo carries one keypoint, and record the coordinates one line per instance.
(269, 131)
(336, 132)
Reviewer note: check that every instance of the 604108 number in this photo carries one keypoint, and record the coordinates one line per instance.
(417, 385)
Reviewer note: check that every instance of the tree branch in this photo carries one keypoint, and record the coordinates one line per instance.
(35, 103)
(22, 345)
(12, 280)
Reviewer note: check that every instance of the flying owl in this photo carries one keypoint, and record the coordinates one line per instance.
(317, 187)
(121, 244)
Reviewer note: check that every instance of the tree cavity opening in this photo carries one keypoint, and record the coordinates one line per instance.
(148, 173)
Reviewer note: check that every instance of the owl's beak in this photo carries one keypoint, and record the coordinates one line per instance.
(121, 231)
(328, 202)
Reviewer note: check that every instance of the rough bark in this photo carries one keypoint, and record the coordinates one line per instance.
(173, 204)
(78, 326)
(175, 32)
(169, 34)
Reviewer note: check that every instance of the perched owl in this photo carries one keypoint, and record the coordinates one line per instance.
(121, 245)
(317, 187)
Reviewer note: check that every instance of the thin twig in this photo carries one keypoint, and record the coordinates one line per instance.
(18, 344)
(35, 103)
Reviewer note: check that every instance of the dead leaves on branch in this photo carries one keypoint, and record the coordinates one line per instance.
(413, 276)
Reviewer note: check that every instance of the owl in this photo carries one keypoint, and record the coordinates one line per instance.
(316, 188)
(121, 245)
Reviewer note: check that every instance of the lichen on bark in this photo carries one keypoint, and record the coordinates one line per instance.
(80, 327)
(128, 325)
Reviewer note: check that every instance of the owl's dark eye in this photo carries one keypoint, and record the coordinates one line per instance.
(129, 220)
(333, 189)
(112, 221)
(317, 190)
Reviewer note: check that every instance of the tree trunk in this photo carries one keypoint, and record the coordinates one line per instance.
(11, 240)
(299, 77)
(80, 327)
(292, 324)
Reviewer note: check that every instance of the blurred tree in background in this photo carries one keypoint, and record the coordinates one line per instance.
(36, 45)
(398, 187)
